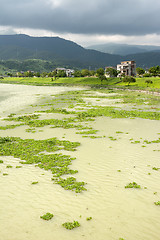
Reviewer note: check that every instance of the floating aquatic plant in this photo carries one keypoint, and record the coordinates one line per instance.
(9, 166)
(135, 142)
(47, 216)
(10, 126)
(88, 218)
(133, 185)
(155, 168)
(118, 132)
(70, 183)
(11, 114)
(112, 138)
(71, 225)
(34, 183)
(31, 151)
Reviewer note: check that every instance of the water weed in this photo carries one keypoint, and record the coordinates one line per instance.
(10, 126)
(88, 218)
(31, 151)
(155, 168)
(34, 183)
(133, 185)
(47, 216)
(9, 166)
(71, 225)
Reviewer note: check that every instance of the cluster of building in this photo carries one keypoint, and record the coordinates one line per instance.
(126, 68)
(69, 72)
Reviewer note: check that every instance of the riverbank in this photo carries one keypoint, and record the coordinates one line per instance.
(92, 82)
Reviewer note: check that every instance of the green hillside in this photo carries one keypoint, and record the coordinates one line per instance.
(23, 53)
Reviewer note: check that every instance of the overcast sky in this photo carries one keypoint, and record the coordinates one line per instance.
(85, 22)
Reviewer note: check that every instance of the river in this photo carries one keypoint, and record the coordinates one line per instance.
(106, 165)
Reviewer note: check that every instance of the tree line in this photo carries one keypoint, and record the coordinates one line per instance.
(100, 73)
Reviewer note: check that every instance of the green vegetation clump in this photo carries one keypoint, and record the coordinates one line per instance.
(155, 168)
(10, 126)
(9, 166)
(71, 225)
(114, 113)
(1, 161)
(47, 216)
(112, 138)
(118, 132)
(34, 183)
(31, 151)
(133, 185)
(70, 183)
(4, 140)
(11, 114)
(88, 132)
(88, 218)
(135, 142)
(23, 118)
(157, 203)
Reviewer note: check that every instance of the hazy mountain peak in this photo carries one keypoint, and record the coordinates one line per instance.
(123, 49)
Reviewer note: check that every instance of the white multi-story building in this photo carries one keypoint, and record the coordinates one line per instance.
(69, 72)
(127, 68)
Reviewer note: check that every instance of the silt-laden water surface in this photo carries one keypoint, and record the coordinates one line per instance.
(107, 165)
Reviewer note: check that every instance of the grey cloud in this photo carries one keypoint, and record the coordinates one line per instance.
(126, 17)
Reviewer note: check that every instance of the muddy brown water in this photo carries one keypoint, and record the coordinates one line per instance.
(116, 212)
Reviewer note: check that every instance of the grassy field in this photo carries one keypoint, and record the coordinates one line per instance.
(91, 81)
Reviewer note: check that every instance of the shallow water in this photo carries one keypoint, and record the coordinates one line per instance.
(14, 98)
(116, 212)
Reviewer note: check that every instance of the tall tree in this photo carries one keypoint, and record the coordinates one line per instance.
(140, 71)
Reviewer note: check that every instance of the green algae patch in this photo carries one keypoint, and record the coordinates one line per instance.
(41, 153)
(155, 168)
(23, 118)
(34, 183)
(10, 126)
(71, 184)
(92, 131)
(89, 218)
(133, 185)
(9, 166)
(114, 113)
(71, 225)
(47, 216)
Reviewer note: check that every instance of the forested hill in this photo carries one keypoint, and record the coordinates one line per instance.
(55, 49)
(63, 53)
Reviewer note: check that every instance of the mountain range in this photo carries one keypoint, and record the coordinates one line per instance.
(123, 49)
(46, 53)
